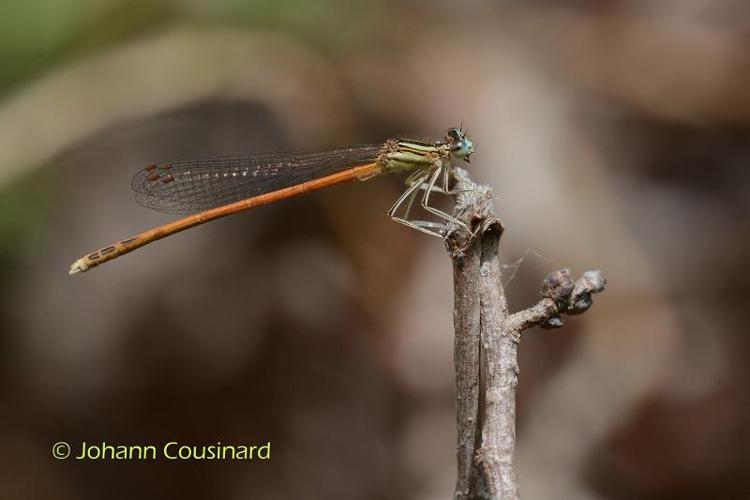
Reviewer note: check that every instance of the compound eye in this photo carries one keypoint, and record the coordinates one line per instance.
(459, 146)
(454, 134)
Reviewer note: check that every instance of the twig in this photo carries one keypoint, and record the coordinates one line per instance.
(487, 343)
(466, 359)
(560, 295)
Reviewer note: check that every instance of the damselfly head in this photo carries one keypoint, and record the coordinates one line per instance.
(461, 146)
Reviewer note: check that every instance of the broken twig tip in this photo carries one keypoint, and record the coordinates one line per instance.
(78, 267)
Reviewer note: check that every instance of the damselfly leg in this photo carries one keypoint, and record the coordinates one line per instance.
(424, 181)
(445, 188)
(426, 199)
(431, 228)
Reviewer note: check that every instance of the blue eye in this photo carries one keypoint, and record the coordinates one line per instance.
(461, 146)
(462, 149)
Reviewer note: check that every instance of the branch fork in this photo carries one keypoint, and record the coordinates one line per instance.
(486, 342)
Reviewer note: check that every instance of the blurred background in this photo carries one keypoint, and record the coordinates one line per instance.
(616, 135)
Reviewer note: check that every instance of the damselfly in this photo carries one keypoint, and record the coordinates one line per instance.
(217, 187)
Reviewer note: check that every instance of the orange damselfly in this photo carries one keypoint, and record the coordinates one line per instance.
(216, 187)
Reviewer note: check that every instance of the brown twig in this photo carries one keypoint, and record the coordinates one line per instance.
(487, 339)
(466, 359)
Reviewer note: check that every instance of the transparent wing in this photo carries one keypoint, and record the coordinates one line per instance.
(187, 186)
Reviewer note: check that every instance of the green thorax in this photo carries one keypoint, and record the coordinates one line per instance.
(404, 155)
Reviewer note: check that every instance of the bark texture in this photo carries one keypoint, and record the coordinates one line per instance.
(486, 343)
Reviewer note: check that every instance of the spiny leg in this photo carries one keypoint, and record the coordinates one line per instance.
(436, 189)
(415, 178)
(435, 211)
(419, 173)
(447, 171)
(410, 194)
(421, 223)
(447, 179)
(426, 198)
(413, 188)
(429, 225)
(432, 228)
(410, 202)
(445, 188)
